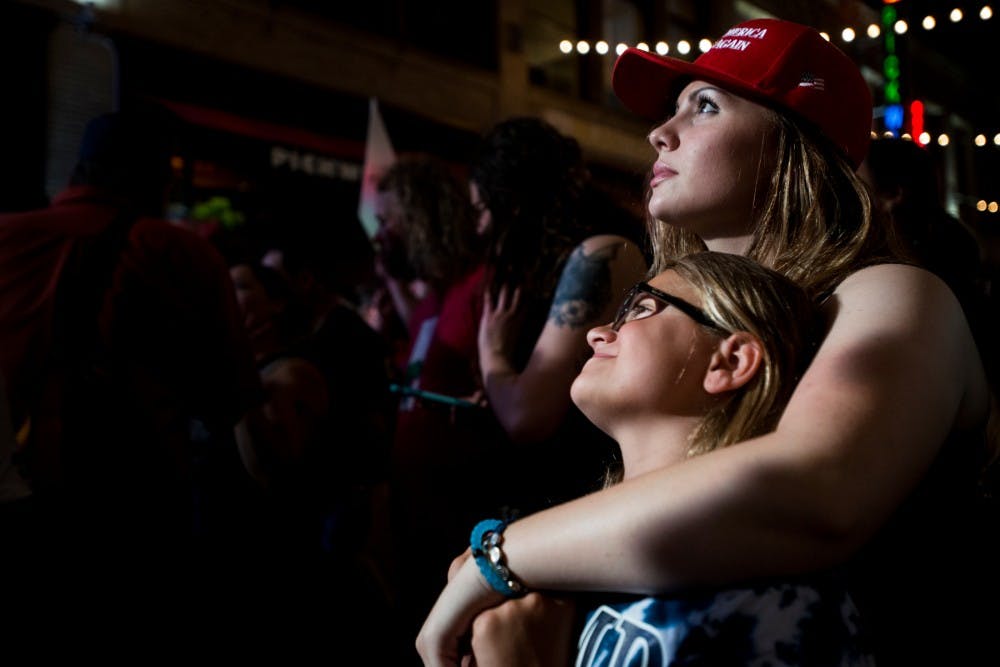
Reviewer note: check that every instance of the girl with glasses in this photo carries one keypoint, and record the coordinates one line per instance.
(704, 356)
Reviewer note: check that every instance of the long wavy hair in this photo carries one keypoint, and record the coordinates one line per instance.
(439, 231)
(812, 221)
(532, 180)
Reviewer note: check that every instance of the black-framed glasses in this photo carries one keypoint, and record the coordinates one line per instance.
(635, 307)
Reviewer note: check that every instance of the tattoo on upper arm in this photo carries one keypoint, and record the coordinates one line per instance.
(584, 288)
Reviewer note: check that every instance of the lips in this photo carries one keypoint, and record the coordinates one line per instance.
(661, 172)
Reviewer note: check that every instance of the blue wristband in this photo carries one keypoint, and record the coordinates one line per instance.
(485, 543)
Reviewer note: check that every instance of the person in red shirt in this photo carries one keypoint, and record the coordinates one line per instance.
(124, 356)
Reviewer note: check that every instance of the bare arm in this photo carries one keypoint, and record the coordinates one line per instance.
(897, 371)
(531, 404)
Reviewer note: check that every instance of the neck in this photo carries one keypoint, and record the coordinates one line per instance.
(648, 445)
(732, 245)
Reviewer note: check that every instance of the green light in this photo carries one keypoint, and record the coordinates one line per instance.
(891, 66)
(888, 16)
(892, 92)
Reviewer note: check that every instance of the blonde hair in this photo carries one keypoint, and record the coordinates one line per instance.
(813, 221)
(740, 294)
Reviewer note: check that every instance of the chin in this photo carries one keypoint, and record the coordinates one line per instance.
(575, 390)
(581, 392)
(588, 402)
(663, 207)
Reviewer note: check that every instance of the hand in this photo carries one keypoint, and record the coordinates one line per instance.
(450, 620)
(478, 397)
(498, 324)
(533, 631)
(377, 309)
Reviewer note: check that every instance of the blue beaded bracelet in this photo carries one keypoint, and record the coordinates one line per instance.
(485, 543)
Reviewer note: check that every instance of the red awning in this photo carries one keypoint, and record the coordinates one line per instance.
(272, 132)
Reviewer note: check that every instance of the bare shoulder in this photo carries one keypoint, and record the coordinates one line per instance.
(900, 317)
(595, 276)
(620, 259)
(897, 298)
(612, 245)
(891, 278)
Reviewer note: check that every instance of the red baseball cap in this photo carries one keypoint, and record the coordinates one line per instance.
(777, 63)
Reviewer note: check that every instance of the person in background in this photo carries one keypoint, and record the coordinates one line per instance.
(428, 237)
(127, 367)
(874, 463)
(312, 513)
(356, 368)
(292, 422)
(315, 450)
(559, 258)
(426, 244)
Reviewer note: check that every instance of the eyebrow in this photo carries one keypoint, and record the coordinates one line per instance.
(693, 96)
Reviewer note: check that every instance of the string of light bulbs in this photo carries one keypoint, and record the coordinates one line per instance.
(684, 47)
(848, 34)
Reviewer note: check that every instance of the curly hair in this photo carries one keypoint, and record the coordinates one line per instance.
(439, 231)
(532, 179)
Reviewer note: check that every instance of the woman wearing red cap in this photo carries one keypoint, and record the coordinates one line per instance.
(873, 463)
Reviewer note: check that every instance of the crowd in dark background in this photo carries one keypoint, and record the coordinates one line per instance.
(203, 415)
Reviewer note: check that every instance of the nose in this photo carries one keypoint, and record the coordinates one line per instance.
(663, 137)
(600, 335)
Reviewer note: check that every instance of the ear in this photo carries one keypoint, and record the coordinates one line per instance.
(734, 364)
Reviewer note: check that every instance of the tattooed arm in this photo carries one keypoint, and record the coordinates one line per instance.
(531, 404)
